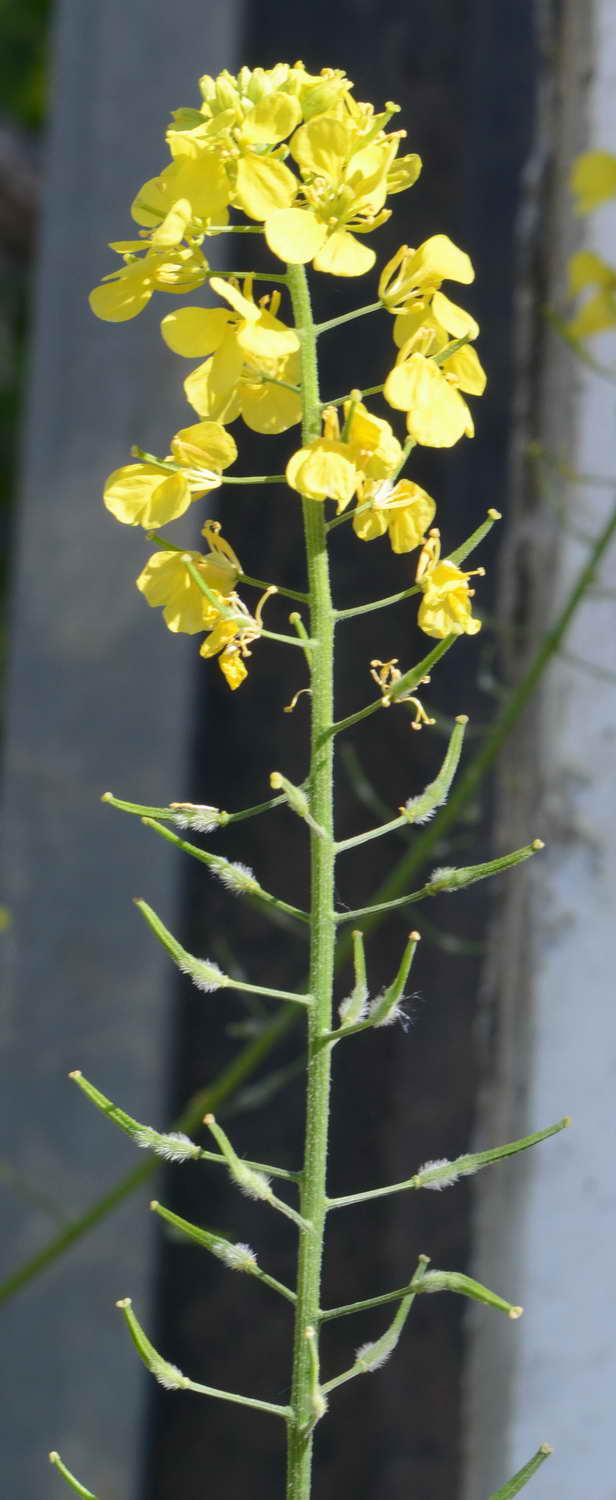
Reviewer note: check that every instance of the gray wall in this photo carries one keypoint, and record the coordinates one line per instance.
(97, 697)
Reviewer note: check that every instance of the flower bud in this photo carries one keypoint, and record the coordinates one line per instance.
(165, 1373)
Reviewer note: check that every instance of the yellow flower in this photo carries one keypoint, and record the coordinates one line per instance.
(403, 510)
(190, 194)
(446, 607)
(242, 345)
(410, 287)
(345, 183)
(165, 581)
(292, 150)
(376, 450)
(598, 312)
(411, 273)
(332, 467)
(231, 639)
(429, 393)
(150, 494)
(593, 179)
(324, 470)
(125, 292)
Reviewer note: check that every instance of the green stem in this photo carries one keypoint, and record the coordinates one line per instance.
(313, 1194)
(366, 609)
(245, 1064)
(370, 390)
(368, 1302)
(259, 583)
(358, 312)
(254, 275)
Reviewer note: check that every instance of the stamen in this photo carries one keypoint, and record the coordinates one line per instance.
(293, 704)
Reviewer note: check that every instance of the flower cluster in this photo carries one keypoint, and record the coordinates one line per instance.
(311, 168)
(362, 464)
(434, 363)
(295, 152)
(593, 181)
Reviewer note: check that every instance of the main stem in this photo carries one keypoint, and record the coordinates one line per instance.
(322, 941)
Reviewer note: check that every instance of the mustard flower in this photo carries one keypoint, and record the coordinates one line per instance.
(248, 350)
(588, 270)
(345, 183)
(446, 607)
(124, 293)
(593, 180)
(292, 150)
(334, 466)
(151, 494)
(412, 273)
(404, 511)
(165, 581)
(436, 413)
(230, 639)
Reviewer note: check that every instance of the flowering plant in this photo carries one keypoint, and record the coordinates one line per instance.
(295, 158)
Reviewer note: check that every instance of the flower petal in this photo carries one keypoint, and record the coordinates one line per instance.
(469, 372)
(272, 119)
(143, 495)
(438, 259)
(322, 471)
(232, 667)
(455, 320)
(195, 331)
(205, 444)
(173, 228)
(267, 338)
(295, 234)
(165, 581)
(369, 523)
(408, 523)
(269, 408)
(343, 255)
(245, 306)
(213, 387)
(593, 179)
(323, 147)
(123, 298)
(263, 185)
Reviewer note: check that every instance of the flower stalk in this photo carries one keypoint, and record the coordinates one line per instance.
(281, 155)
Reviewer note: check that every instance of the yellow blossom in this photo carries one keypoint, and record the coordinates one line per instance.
(593, 179)
(345, 185)
(598, 311)
(151, 494)
(292, 150)
(429, 393)
(230, 639)
(411, 273)
(446, 607)
(376, 450)
(403, 510)
(248, 349)
(191, 193)
(333, 466)
(125, 292)
(166, 581)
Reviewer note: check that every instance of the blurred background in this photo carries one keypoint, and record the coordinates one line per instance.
(511, 1024)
